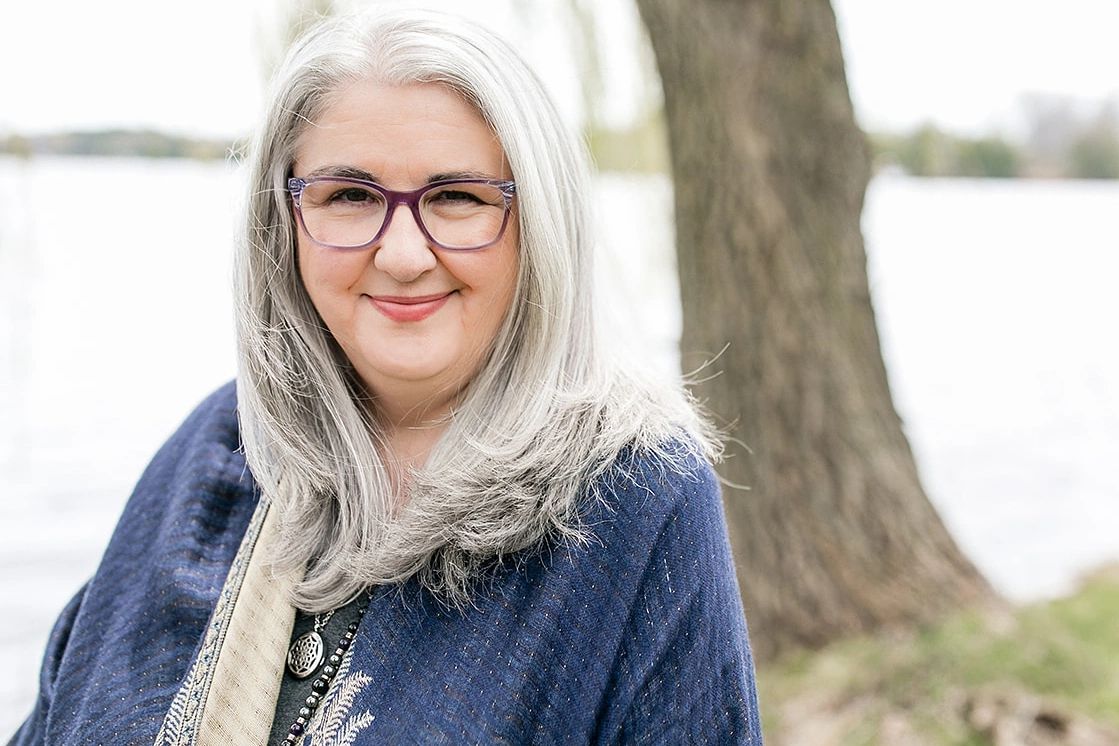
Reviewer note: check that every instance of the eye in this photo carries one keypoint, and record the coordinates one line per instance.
(455, 196)
(338, 197)
(351, 194)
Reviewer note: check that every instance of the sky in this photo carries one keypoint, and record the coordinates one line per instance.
(196, 68)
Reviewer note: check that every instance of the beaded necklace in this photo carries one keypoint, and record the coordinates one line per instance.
(307, 650)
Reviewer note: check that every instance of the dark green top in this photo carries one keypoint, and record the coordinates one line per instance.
(293, 691)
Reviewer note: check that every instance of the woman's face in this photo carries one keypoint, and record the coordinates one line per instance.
(408, 354)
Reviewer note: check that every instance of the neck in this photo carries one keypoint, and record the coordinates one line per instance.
(411, 445)
(412, 426)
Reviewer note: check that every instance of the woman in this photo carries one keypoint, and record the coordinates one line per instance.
(453, 518)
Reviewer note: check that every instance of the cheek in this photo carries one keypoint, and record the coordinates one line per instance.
(305, 267)
(507, 290)
(500, 278)
(328, 275)
(509, 273)
(511, 262)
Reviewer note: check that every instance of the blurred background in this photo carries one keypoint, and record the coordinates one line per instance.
(990, 224)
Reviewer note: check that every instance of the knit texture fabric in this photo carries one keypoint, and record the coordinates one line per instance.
(635, 637)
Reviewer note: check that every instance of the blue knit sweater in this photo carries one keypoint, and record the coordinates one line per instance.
(637, 637)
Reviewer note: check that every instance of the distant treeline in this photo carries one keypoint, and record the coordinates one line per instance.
(931, 152)
(1060, 141)
(135, 143)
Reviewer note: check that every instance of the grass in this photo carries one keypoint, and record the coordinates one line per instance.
(1064, 653)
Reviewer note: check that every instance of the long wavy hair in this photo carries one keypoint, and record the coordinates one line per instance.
(547, 413)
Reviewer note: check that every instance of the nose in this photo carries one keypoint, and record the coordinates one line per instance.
(403, 251)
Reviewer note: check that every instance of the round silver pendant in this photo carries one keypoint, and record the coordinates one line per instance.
(305, 655)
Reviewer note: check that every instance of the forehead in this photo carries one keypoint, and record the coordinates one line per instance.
(400, 134)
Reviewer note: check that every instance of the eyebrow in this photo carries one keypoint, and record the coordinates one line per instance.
(456, 175)
(351, 172)
(347, 172)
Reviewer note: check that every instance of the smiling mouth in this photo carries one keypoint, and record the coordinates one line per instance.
(408, 308)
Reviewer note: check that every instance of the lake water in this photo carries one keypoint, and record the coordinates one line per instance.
(996, 305)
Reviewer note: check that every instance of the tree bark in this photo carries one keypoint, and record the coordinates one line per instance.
(835, 535)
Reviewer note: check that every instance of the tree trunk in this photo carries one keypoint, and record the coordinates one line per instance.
(835, 535)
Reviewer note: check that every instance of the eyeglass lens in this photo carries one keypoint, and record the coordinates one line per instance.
(459, 215)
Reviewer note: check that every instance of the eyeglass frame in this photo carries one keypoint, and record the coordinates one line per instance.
(394, 199)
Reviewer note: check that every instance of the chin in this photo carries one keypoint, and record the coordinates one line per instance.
(412, 371)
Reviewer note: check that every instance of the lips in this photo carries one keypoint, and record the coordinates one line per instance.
(405, 308)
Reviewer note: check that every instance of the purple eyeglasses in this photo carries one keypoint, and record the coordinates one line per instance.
(455, 214)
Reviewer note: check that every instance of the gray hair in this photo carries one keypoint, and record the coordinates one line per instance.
(547, 413)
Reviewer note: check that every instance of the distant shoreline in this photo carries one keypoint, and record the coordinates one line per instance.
(926, 153)
(121, 143)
